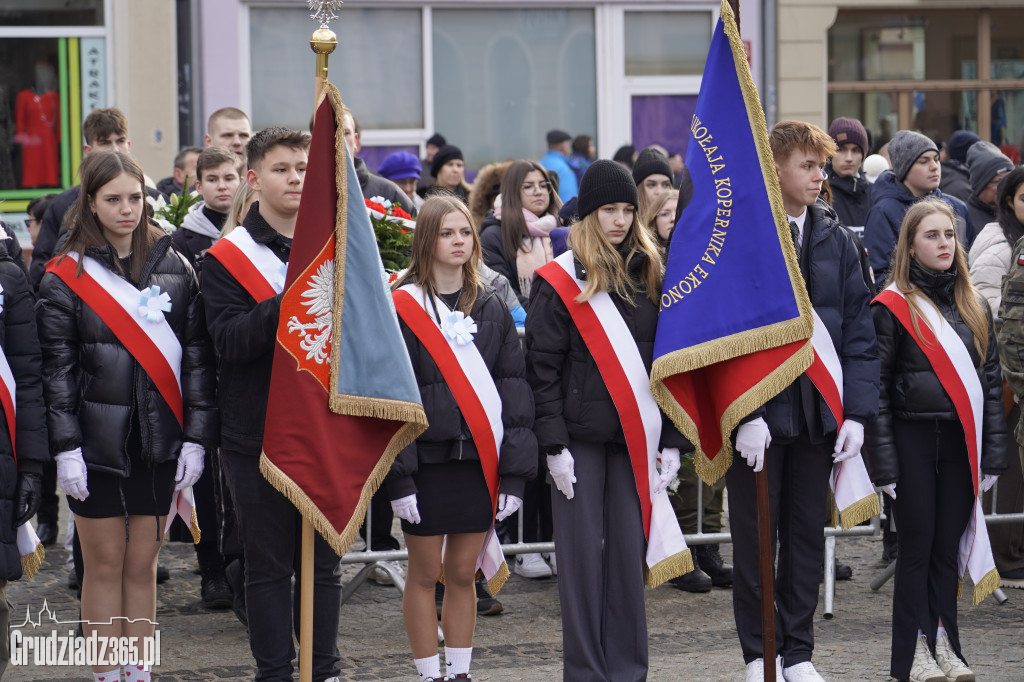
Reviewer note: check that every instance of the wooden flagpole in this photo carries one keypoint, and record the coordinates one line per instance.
(323, 41)
(764, 535)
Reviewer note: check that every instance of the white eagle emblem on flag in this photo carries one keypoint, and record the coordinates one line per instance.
(319, 301)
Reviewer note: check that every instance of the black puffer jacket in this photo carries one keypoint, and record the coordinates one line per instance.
(244, 333)
(910, 390)
(448, 437)
(831, 269)
(95, 389)
(21, 348)
(572, 399)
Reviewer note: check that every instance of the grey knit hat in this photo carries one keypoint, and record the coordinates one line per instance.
(985, 161)
(905, 148)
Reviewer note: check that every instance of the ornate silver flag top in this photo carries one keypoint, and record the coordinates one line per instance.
(324, 11)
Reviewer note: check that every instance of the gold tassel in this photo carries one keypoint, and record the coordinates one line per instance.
(497, 581)
(960, 587)
(31, 562)
(860, 511)
(676, 565)
(985, 586)
(193, 526)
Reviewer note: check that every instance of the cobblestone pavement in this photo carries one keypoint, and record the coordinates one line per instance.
(692, 637)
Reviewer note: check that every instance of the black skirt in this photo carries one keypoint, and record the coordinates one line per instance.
(146, 492)
(451, 498)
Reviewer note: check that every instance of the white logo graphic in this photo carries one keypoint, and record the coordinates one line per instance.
(316, 335)
(32, 646)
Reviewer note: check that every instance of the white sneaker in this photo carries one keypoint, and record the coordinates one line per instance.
(755, 670)
(550, 558)
(952, 665)
(924, 668)
(802, 672)
(382, 577)
(532, 566)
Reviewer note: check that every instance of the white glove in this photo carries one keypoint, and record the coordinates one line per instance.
(669, 468)
(890, 490)
(988, 481)
(507, 506)
(72, 474)
(561, 468)
(849, 441)
(752, 439)
(405, 508)
(190, 465)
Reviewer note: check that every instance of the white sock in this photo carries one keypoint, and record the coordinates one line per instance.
(428, 668)
(108, 676)
(940, 632)
(138, 673)
(457, 660)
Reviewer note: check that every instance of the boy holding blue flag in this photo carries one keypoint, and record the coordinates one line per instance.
(800, 433)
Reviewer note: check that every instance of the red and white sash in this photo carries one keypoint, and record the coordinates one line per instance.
(8, 398)
(952, 364)
(856, 499)
(29, 547)
(151, 342)
(614, 350)
(472, 385)
(253, 265)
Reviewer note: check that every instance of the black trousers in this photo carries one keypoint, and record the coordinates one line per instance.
(599, 536)
(934, 500)
(271, 533)
(798, 492)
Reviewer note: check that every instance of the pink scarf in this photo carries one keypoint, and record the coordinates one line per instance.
(536, 249)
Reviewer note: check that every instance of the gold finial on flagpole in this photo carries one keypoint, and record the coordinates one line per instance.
(323, 41)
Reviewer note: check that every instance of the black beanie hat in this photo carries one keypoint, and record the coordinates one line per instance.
(651, 162)
(605, 182)
(447, 153)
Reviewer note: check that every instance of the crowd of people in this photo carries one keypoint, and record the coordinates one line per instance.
(143, 371)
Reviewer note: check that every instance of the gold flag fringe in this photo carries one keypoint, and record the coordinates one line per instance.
(860, 511)
(678, 564)
(31, 562)
(340, 541)
(985, 586)
(712, 466)
(497, 581)
(193, 526)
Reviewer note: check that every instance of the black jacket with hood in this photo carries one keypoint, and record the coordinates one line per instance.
(910, 389)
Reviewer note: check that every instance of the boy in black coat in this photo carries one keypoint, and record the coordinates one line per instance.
(795, 434)
(244, 332)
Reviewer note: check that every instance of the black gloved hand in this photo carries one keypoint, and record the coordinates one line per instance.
(30, 493)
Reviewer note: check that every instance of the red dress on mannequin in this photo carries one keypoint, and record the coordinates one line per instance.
(37, 126)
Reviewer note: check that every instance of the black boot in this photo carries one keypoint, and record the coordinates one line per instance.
(215, 591)
(710, 561)
(696, 581)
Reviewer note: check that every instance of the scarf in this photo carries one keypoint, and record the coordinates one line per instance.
(536, 248)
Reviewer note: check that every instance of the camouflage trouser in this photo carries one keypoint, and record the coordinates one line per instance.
(684, 502)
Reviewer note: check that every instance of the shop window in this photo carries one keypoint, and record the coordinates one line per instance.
(884, 46)
(385, 92)
(667, 43)
(504, 77)
(878, 111)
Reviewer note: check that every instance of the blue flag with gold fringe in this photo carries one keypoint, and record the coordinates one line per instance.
(735, 322)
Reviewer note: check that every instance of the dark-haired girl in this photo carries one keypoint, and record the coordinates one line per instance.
(129, 379)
